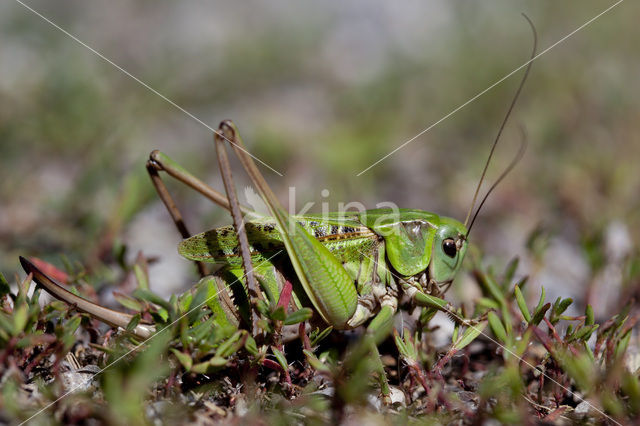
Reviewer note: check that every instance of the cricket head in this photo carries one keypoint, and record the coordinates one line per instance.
(448, 250)
(421, 246)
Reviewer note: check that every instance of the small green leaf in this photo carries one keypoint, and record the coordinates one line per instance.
(263, 308)
(72, 325)
(282, 360)
(589, 320)
(456, 332)
(522, 304)
(406, 345)
(523, 282)
(6, 327)
(4, 286)
(588, 350)
(497, 327)
(163, 314)
(470, 335)
(251, 346)
(232, 344)
(584, 333)
(211, 365)
(427, 315)
(183, 358)
(200, 368)
(217, 361)
(539, 314)
(621, 345)
(150, 296)
(622, 316)
(541, 301)
(631, 387)
(486, 303)
(611, 404)
(580, 368)
(35, 297)
(204, 330)
(562, 306)
(135, 320)
(402, 348)
(568, 332)
(315, 362)
(20, 318)
(412, 348)
(185, 302)
(320, 336)
(141, 277)
(279, 314)
(493, 289)
(68, 340)
(23, 289)
(301, 315)
(127, 302)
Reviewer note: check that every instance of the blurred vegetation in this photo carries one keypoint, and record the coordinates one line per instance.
(320, 91)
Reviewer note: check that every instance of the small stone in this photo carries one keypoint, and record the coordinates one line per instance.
(397, 396)
(73, 381)
(582, 408)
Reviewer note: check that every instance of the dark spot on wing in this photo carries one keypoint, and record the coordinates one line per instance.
(268, 228)
(348, 229)
(334, 229)
(319, 232)
(313, 223)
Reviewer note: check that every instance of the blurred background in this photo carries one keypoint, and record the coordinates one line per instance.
(320, 91)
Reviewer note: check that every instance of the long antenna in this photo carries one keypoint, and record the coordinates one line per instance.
(504, 122)
(516, 159)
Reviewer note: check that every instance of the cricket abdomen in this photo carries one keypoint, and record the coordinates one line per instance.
(343, 237)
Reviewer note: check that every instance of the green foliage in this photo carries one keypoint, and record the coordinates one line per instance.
(124, 382)
(573, 364)
(545, 355)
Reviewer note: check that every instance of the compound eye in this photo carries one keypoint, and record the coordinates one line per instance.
(449, 247)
